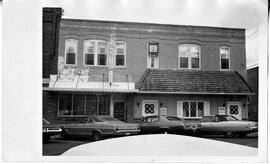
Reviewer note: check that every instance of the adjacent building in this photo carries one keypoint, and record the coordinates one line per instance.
(130, 70)
(253, 79)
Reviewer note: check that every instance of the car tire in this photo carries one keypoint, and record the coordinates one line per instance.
(64, 135)
(229, 134)
(165, 130)
(242, 135)
(46, 138)
(96, 136)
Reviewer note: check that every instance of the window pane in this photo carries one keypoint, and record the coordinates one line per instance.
(183, 51)
(194, 62)
(89, 59)
(192, 109)
(120, 51)
(78, 105)
(65, 104)
(183, 62)
(102, 59)
(102, 46)
(91, 104)
(120, 60)
(70, 58)
(186, 109)
(200, 109)
(104, 105)
(224, 63)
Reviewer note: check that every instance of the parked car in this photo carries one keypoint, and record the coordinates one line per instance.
(49, 130)
(227, 125)
(160, 145)
(192, 126)
(99, 126)
(161, 124)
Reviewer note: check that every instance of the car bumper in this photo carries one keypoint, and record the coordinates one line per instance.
(49, 132)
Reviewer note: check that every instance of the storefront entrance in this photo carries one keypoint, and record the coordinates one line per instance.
(119, 111)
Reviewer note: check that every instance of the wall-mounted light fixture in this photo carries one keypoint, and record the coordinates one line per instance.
(138, 104)
(161, 104)
(244, 105)
(223, 105)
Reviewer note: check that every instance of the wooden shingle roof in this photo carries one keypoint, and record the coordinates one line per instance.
(190, 81)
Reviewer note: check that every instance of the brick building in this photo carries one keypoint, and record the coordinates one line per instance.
(253, 82)
(129, 70)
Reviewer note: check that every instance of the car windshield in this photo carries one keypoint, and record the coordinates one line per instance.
(45, 121)
(172, 118)
(207, 119)
(231, 118)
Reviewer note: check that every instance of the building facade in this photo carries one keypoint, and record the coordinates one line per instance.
(131, 70)
(253, 82)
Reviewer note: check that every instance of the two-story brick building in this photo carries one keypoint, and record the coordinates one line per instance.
(129, 70)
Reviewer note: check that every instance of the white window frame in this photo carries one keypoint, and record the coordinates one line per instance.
(125, 54)
(197, 101)
(95, 53)
(228, 58)
(189, 56)
(156, 62)
(85, 50)
(150, 101)
(67, 41)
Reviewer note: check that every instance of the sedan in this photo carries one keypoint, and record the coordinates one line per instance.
(97, 127)
(161, 124)
(49, 130)
(227, 125)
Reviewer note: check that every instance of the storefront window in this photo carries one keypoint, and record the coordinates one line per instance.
(81, 105)
(78, 105)
(193, 108)
(65, 104)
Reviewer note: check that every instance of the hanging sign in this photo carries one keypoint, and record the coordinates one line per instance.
(221, 110)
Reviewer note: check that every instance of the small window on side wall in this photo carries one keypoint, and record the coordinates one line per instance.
(153, 57)
(224, 52)
(71, 46)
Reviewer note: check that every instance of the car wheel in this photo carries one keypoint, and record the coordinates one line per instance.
(96, 136)
(242, 135)
(64, 135)
(46, 138)
(229, 134)
(165, 130)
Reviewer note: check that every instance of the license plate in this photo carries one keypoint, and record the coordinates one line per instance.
(127, 134)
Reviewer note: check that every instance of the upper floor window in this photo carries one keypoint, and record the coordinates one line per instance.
(71, 46)
(95, 52)
(89, 52)
(224, 52)
(189, 56)
(120, 57)
(153, 57)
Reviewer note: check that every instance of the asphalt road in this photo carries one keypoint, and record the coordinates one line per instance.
(57, 146)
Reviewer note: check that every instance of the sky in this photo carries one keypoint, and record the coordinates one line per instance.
(246, 14)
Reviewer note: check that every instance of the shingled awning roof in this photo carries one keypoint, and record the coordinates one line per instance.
(193, 82)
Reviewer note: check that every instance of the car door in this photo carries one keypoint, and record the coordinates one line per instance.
(145, 125)
(207, 125)
(155, 124)
(75, 129)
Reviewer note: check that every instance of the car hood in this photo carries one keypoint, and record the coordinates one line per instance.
(50, 126)
(160, 145)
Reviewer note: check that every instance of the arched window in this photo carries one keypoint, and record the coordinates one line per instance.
(189, 56)
(71, 46)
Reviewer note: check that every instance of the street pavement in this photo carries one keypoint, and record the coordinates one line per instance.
(57, 145)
